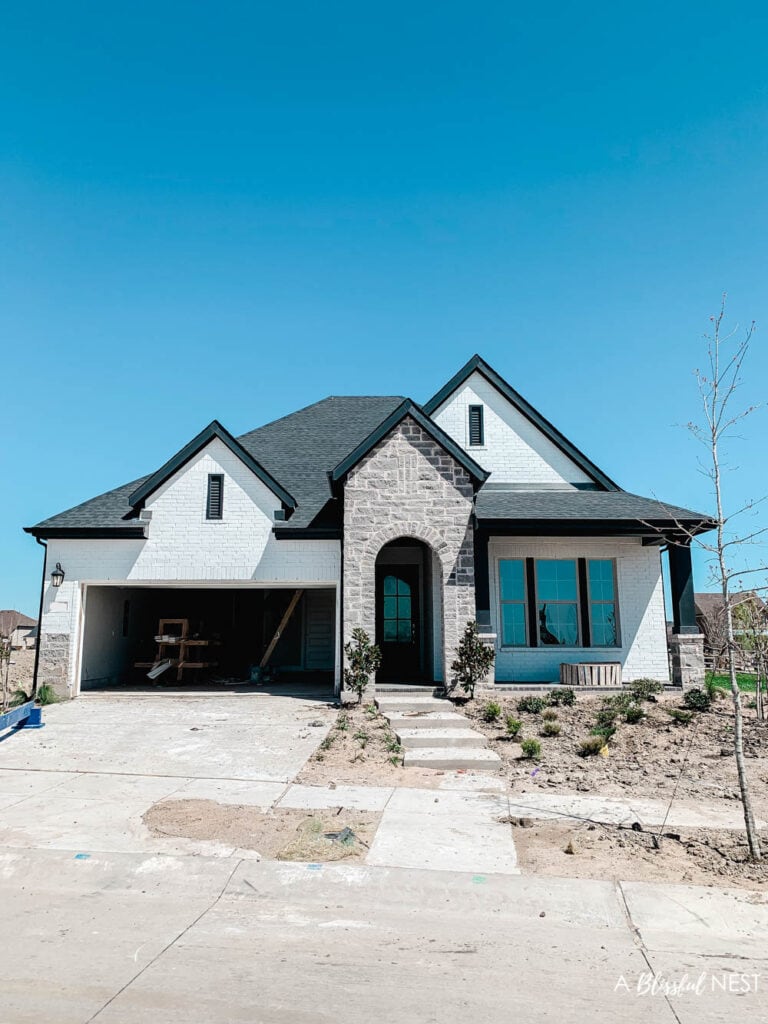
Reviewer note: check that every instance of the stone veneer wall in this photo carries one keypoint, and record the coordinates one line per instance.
(409, 486)
(53, 668)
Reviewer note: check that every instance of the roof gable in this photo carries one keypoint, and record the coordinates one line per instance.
(478, 365)
(182, 457)
(409, 408)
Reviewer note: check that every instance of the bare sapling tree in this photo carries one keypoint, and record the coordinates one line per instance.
(726, 354)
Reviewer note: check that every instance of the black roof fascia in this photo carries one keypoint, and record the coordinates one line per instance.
(593, 527)
(409, 408)
(307, 533)
(477, 363)
(87, 533)
(213, 430)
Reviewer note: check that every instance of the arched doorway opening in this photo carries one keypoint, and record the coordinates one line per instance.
(407, 580)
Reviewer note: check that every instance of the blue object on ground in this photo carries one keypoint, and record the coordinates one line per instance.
(25, 716)
(35, 719)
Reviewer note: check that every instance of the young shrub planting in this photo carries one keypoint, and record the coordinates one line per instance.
(679, 716)
(531, 748)
(474, 659)
(364, 658)
(590, 746)
(645, 690)
(634, 714)
(549, 715)
(550, 728)
(697, 700)
(533, 705)
(491, 711)
(564, 696)
(514, 725)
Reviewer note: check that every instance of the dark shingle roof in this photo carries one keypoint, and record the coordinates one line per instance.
(607, 506)
(298, 450)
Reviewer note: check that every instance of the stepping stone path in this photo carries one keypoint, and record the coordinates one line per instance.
(434, 735)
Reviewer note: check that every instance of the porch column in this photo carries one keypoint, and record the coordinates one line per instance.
(687, 644)
(483, 600)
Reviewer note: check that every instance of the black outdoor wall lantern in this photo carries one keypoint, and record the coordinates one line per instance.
(57, 576)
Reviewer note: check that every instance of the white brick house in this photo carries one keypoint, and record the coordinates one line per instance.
(406, 520)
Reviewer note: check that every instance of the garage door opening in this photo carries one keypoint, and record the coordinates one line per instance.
(228, 633)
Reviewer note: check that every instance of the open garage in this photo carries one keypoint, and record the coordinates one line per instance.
(151, 635)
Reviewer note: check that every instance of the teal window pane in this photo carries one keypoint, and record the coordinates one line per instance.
(558, 624)
(512, 579)
(390, 629)
(404, 607)
(403, 587)
(513, 625)
(556, 579)
(390, 585)
(403, 629)
(390, 607)
(601, 580)
(603, 621)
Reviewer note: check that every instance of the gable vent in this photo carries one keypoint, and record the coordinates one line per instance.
(214, 508)
(476, 431)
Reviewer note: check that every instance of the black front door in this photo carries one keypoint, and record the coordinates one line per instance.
(398, 623)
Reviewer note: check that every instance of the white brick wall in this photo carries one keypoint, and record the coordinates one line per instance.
(184, 547)
(643, 651)
(514, 450)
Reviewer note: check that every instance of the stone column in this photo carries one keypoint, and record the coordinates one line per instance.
(53, 665)
(687, 653)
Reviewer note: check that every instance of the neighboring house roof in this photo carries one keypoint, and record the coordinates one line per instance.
(11, 620)
(709, 606)
(478, 365)
(409, 409)
(495, 504)
(181, 458)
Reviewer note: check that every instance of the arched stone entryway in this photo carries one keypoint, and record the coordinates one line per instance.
(409, 611)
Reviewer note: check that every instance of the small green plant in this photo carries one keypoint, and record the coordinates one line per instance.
(371, 711)
(362, 737)
(550, 728)
(590, 746)
(327, 742)
(392, 744)
(697, 700)
(514, 725)
(342, 722)
(634, 714)
(531, 748)
(564, 695)
(603, 731)
(18, 697)
(533, 705)
(394, 759)
(680, 716)
(645, 690)
(549, 715)
(46, 695)
(474, 659)
(364, 658)
(491, 711)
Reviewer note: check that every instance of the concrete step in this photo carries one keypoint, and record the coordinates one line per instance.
(479, 759)
(426, 720)
(463, 738)
(391, 704)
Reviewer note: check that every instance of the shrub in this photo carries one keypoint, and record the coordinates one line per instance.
(364, 658)
(549, 715)
(551, 728)
(533, 705)
(590, 746)
(680, 716)
(474, 659)
(697, 700)
(491, 711)
(645, 690)
(531, 748)
(605, 731)
(565, 696)
(514, 725)
(607, 714)
(634, 714)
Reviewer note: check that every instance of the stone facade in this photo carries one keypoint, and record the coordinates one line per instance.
(409, 486)
(53, 669)
(687, 656)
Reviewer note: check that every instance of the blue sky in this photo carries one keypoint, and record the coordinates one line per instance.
(233, 210)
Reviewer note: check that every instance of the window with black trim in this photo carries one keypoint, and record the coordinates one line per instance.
(476, 426)
(558, 602)
(214, 506)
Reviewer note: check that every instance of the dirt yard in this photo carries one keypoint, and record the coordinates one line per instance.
(337, 834)
(648, 759)
(20, 670)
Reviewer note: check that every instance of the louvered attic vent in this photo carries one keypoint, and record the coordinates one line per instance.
(476, 432)
(214, 508)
